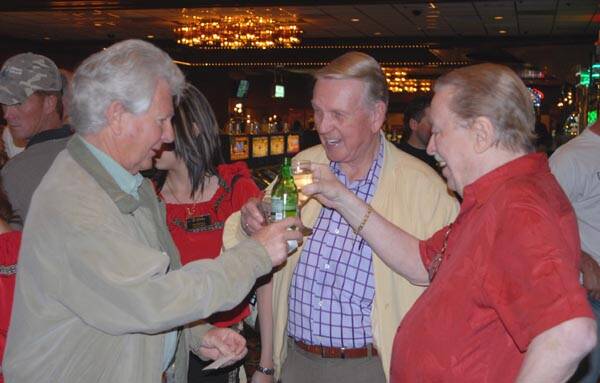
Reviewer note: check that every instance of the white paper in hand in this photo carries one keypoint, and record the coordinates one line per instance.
(219, 362)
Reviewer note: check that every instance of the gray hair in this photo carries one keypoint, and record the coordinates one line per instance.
(358, 66)
(496, 92)
(127, 72)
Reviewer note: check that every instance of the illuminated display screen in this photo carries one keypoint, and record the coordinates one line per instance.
(260, 147)
(277, 145)
(592, 116)
(239, 148)
(293, 143)
(279, 91)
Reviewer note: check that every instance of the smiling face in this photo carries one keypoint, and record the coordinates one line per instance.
(451, 142)
(143, 134)
(347, 126)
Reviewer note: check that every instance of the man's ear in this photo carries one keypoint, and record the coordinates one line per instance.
(114, 116)
(378, 114)
(484, 134)
(50, 101)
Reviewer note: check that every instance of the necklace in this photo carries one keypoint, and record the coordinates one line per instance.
(191, 210)
(439, 257)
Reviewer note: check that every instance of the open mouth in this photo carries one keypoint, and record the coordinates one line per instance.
(440, 161)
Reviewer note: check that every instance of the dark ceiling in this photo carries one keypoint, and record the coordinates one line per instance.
(425, 37)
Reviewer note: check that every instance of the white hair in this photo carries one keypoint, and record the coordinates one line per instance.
(127, 72)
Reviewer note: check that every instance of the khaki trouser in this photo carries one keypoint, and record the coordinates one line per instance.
(301, 366)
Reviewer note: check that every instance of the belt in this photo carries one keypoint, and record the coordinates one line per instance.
(335, 352)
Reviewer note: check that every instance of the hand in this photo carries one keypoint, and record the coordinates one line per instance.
(220, 342)
(325, 187)
(274, 238)
(259, 377)
(251, 216)
(591, 275)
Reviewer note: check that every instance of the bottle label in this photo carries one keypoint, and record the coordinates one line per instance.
(282, 208)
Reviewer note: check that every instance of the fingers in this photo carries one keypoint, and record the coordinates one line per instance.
(252, 218)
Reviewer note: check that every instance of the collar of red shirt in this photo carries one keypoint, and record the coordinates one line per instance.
(485, 186)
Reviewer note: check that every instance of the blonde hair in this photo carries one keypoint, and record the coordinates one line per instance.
(358, 66)
(496, 92)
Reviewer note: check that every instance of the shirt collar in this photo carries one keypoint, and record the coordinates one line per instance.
(337, 169)
(478, 192)
(50, 134)
(129, 183)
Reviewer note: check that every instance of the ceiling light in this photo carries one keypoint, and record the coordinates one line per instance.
(237, 31)
(97, 24)
(432, 5)
(354, 20)
(150, 36)
(502, 31)
(377, 33)
(46, 37)
(498, 17)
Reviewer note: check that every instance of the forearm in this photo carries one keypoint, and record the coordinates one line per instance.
(264, 296)
(554, 355)
(397, 248)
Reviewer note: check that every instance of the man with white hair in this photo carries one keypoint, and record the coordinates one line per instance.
(31, 89)
(504, 302)
(101, 295)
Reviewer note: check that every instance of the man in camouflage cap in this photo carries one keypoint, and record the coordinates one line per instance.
(30, 94)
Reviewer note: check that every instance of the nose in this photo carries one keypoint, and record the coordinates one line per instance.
(431, 148)
(167, 132)
(8, 111)
(323, 125)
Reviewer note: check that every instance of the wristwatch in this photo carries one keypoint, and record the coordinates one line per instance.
(266, 371)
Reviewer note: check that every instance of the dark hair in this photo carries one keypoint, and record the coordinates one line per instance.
(415, 110)
(197, 140)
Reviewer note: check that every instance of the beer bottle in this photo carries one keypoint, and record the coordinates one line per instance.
(284, 197)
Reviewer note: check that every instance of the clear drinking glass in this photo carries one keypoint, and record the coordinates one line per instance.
(302, 173)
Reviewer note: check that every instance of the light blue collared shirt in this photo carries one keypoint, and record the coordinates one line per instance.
(130, 183)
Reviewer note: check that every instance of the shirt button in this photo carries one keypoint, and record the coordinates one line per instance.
(320, 303)
(337, 231)
(326, 266)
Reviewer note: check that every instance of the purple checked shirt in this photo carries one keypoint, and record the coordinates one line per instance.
(332, 288)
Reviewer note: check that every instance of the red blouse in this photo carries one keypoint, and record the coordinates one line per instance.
(204, 238)
(510, 272)
(9, 252)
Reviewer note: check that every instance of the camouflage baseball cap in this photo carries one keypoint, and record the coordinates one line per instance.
(25, 73)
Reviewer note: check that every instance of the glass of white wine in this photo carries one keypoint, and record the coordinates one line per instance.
(302, 173)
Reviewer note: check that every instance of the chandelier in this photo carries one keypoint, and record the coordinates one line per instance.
(398, 82)
(238, 31)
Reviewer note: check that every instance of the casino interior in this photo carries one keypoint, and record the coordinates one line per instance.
(254, 59)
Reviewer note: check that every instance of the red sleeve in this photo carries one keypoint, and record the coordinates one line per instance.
(532, 278)
(244, 187)
(9, 247)
(9, 252)
(428, 248)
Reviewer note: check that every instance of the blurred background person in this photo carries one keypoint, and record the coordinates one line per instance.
(417, 131)
(31, 97)
(200, 192)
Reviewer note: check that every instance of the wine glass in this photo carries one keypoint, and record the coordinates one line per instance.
(302, 173)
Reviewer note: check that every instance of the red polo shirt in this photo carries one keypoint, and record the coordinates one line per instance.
(509, 273)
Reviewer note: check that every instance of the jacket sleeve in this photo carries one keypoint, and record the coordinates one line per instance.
(118, 285)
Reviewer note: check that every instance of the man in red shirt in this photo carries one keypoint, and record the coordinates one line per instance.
(504, 302)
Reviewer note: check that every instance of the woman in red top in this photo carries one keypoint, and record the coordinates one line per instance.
(9, 251)
(200, 192)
